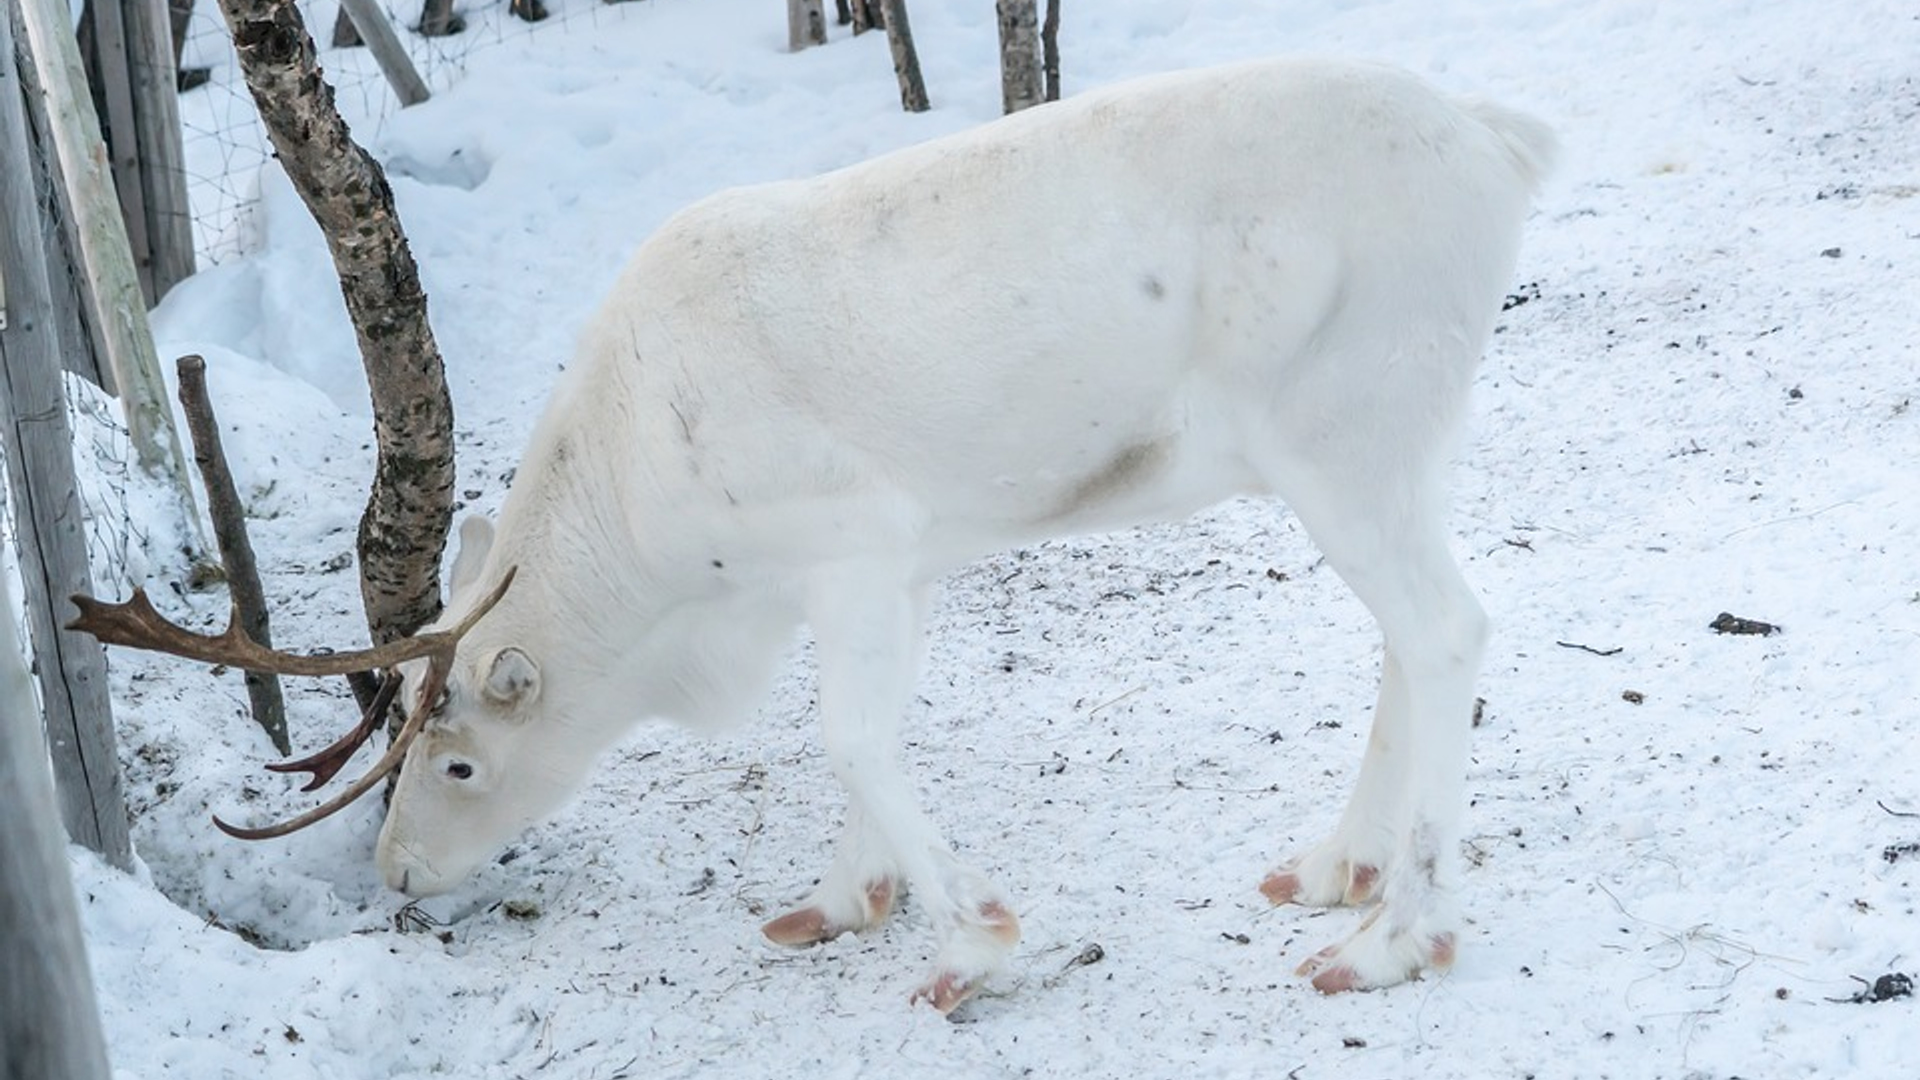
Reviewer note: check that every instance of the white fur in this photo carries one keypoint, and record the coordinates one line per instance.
(805, 402)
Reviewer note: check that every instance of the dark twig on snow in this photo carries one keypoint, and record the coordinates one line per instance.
(1615, 651)
(1895, 813)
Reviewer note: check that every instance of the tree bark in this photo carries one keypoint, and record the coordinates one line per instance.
(806, 24)
(410, 508)
(236, 550)
(1019, 55)
(1050, 49)
(906, 62)
(865, 15)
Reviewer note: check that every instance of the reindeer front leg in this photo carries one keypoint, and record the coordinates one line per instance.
(867, 627)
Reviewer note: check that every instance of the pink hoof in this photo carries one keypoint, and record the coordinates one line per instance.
(946, 991)
(811, 926)
(1285, 886)
(1314, 963)
(1336, 980)
(1281, 887)
(804, 926)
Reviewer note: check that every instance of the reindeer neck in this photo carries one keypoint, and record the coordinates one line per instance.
(629, 617)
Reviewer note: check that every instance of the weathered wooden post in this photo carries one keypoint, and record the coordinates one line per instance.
(377, 33)
(49, 1021)
(127, 46)
(107, 272)
(236, 548)
(38, 446)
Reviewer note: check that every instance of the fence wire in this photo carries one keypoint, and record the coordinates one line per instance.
(226, 147)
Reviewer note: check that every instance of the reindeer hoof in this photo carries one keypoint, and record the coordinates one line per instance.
(812, 925)
(1344, 883)
(946, 991)
(1376, 956)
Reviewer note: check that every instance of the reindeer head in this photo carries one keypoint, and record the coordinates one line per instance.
(473, 778)
(481, 769)
(461, 791)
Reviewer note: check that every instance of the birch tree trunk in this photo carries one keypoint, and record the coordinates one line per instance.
(410, 508)
(906, 62)
(806, 24)
(1019, 54)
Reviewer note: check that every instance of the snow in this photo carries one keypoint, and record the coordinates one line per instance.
(1704, 404)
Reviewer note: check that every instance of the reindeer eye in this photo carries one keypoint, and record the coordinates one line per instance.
(459, 770)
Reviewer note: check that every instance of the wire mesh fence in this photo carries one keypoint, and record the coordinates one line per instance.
(225, 146)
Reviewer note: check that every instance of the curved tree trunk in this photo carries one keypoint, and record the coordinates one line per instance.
(404, 529)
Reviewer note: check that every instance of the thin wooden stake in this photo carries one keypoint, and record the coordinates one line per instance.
(236, 550)
(387, 51)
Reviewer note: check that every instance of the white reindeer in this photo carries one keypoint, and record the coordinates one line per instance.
(805, 402)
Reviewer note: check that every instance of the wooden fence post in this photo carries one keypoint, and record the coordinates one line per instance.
(162, 165)
(384, 44)
(49, 1020)
(127, 48)
(105, 255)
(38, 447)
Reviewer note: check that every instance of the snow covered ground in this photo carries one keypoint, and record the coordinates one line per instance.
(1686, 848)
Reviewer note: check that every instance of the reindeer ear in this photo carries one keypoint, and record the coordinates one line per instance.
(476, 539)
(513, 678)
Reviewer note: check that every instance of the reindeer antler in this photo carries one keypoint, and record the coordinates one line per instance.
(136, 624)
